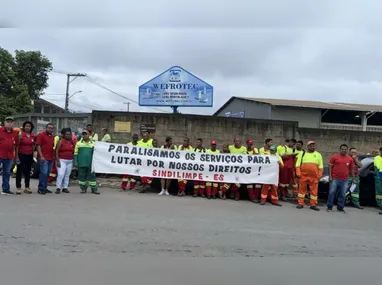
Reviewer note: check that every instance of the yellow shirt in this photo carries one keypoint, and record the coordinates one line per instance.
(210, 151)
(264, 152)
(234, 150)
(190, 148)
(254, 151)
(173, 147)
(378, 162)
(283, 150)
(149, 143)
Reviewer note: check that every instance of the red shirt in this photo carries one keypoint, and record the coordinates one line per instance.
(341, 166)
(26, 143)
(8, 142)
(46, 142)
(66, 150)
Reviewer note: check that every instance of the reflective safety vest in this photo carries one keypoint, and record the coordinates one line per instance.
(234, 150)
(253, 151)
(309, 164)
(211, 151)
(83, 153)
(264, 151)
(189, 148)
(173, 147)
(56, 140)
(149, 143)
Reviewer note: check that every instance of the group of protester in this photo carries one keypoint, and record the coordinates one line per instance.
(299, 168)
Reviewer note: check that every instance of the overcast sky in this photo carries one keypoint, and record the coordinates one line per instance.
(296, 49)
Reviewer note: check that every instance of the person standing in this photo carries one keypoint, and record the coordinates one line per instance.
(25, 155)
(92, 135)
(53, 171)
(130, 179)
(378, 179)
(9, 140)
(288, 154)
(182, 183)
(253, 190)
(357, 165)
(309, 169)
(236, 148)
(45, 150)
(145, 181)
(83, 158)
(224, 187)
(199, 186)
(212, 188)
(64, 160)
(299, 149)
(340, 165)
(271, 190)
(165, 183)
(265, 150)
(105, 135)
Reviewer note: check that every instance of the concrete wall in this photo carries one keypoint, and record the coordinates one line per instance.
(328, 141)
(306, 118)
(194, 126)
(252, 110)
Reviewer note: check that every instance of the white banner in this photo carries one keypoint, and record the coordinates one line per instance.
(175, 164)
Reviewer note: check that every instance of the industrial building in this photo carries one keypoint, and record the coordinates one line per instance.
(309, 114)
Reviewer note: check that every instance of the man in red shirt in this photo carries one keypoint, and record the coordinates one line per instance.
(9, 140)
(45, 150)
(340, 166)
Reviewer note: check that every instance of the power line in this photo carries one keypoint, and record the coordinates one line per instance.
(93, 81)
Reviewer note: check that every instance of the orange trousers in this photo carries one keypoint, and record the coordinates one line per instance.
(146, 180)
(125, 181)
(182, 185)
(253, 193)
(212, 188)
(199, 187)
(302, 189)
(269, 190)
(286, 176)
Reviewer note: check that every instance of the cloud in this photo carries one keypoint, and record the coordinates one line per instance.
(321, 50)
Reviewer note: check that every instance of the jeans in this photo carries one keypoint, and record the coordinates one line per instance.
(26, 161)
(45, 168)
(7, 167)
(341, 186)
(63, 173)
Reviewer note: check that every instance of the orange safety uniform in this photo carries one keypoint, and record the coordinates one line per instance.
(286, 173)
(253, 193)
(199, 186)
(182, 183)
(129, 178)
(148, 143)
(53, 171)
(212, 188)
(309, 169)
(236, 186)
(295, 178)
(269, 190)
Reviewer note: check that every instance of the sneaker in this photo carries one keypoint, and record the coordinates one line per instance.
(48, 191)
(358, 207)
(166, 193)
(95, 192)
(341, 210)
(65, 190)
(329, 209)
(282, 198)
(83, 191)
(262, 203)
(277, 204)
(299, 206)
(314, 208)
(161, 192)
(7, 192)
(41, 192)
(203, 196)
(213, 197)
(195, 195)
(255, 201)
(27, 190)
(18, 191)
(209, 197)
(58, 191)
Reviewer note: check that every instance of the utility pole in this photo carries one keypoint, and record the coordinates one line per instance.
(128, 106)
(68, 81)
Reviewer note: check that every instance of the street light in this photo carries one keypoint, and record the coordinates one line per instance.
(80, 91)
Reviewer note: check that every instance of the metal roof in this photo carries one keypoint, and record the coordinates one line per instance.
(310, 104)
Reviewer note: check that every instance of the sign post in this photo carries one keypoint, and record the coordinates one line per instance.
(176, 88)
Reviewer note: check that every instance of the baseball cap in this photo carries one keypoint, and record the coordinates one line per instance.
(213, 142)
(273, 147)
(9, 118)
(249, 141)
(85, 132)
(311, 142)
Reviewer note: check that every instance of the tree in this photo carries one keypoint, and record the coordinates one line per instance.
(22, 79)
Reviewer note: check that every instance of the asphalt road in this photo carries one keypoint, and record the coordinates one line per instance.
(147, 225)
